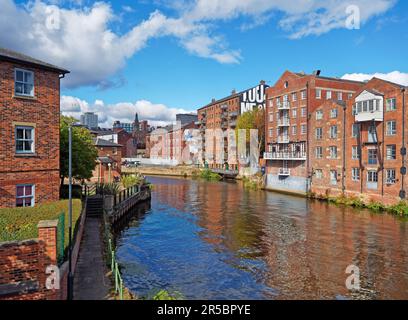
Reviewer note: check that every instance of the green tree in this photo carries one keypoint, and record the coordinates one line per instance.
(84, 152)
(254, 119)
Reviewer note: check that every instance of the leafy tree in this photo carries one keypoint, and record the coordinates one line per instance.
(84, 152)
(254, 119)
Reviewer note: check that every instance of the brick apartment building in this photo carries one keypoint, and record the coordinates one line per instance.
(222, 115)
(289, 108)
(109, 161)
(29, 130)
(367, 159)
(172, 143)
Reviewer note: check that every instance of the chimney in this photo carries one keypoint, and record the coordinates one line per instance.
(233, 92)
(262, 82)
(213, 100)
(317, 73)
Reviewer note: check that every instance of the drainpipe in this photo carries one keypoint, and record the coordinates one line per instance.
(308, 174)
(343, 187)
(382, 158)
(403, 149)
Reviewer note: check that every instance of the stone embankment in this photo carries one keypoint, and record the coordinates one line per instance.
(176, 171)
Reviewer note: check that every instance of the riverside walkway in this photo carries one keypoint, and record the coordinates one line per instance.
(90, 280)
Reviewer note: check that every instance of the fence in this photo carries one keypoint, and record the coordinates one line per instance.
(61, 238)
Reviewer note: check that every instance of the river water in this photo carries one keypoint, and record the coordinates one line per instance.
(216, 240)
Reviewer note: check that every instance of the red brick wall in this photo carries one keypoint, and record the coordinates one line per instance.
(28, 260)
(43, 112)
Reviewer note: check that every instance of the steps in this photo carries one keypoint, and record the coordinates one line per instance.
(94, 206)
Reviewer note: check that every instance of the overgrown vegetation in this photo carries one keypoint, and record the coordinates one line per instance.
(165, 295)
(108, 188)
(131, 180)
(208, 175)
(18, 224)
(400, 209)
(255, 182)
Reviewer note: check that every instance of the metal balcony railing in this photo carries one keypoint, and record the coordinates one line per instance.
(284, 172)
(284, 122)
(283, 139)
(285, 156)
(285, 105)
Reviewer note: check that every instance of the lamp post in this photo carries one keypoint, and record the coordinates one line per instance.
(109, 166)
(70, 275)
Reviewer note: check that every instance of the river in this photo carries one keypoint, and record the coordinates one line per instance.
(216, 240)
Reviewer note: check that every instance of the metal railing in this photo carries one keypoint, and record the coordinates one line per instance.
(284, 172)
(283, 139)
(284, 122)
(61, 238)
(284, 155)
(125, 194)
(118, 281)
(285, 105)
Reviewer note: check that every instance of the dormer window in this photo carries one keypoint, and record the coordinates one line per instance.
(24, 83)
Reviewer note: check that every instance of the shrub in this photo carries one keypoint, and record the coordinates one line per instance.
(165, 295)
(131, 180)
(208, 175)
(18, 224)
(400, 208)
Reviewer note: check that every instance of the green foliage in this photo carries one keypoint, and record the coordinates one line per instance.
(18, 224)
(165, 295)
(254, 119)
(108, 188)
(400, 208)
(208, 175)
(131, 180)
(84, 152)
(251, 184)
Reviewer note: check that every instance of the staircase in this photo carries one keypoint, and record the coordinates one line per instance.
(94, 206)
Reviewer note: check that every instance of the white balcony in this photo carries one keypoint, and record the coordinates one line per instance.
(285, 105)
(369, 107)
(283, 139)
(285, 156)
(284, 172)
(283, 122)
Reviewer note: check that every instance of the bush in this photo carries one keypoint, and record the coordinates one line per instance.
(400, 208)
(208, 175)
(76, 192)
(131, 180)
(18, 224)
(108, 188)
(165, 295)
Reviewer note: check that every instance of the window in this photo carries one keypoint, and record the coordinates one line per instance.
(319, 114)
(333, 132)
(24, 140)
(278, 101)
(114, 151)
(349, 96)
(391, 104)
(333, 113)
(319, 133)
(333, 177)
(328, 95)
(340, 96)
(318, 94)
(355, 130)
(303, 94)
(271, 117)
(391, 128)
(285, 98)
(391, 152)
(319, 174)
(333, 152)
(303, 129)
(294, 96)
(270, 133)
(25, 196)
(390, 176)
(294, 130)
(294, 113)
(303, 112)
(355, 174)
(24, 83)
(372, 156)
(286, 84)
(271, 103)
(372, 176)
(355, 153)
(319, 152)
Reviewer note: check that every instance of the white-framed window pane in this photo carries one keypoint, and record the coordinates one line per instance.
(391, 152)
(328, 95)
(391, 176)
(24, 82)
(25, 195)
(318, 93)
(24, 139)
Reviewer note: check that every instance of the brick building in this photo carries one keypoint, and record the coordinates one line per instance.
(290, 104)
(109, 161)
(222, 115)
(29, 130)
(371, 149)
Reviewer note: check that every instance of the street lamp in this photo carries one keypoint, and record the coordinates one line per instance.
(70, 275)
(109, 166)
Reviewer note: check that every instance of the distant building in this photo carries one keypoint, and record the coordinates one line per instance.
(90, 120)
(109, 161)
(140, 130)
(127, 126)
(185, 118)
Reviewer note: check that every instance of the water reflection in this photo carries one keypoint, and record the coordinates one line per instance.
(219, 241)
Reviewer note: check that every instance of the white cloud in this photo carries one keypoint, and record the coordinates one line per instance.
(395, 76)
(156, 114)
(80, 38)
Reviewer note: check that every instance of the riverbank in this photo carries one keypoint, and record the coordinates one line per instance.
(177, 171)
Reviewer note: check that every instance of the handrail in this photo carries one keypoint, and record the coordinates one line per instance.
(116, 272)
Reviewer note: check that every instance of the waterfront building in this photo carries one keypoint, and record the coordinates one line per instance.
(89, 120)
(127, 126)
(290, 106)
(222, 115)
(371, 150)
(109, 161)
(29, 130)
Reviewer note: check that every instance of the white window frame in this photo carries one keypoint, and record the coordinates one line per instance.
(391, 104)
(31, 94)
(303, 112)
(333, 132)
(333, 152)
(32, 196)
(319, 174)
(390, 131)
(391, 179)
(319, 114)
(303, 94)
(334, 113)
(354, 132)
(318, 93)
(319, 152)
(340, 96)
(371, 174)
(294, 96)
(294, 113)
(355, 174)
(329, 94)
(32, 129)
(271, 117)
(294, 130)
(393, 152)
(303, 129)
(333, 179)
(319, 133)
(355, 154)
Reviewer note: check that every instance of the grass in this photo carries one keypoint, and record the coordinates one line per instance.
(18, 224)
(208, 175)
(400, 209)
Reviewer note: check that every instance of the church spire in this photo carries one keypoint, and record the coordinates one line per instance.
(136, 118)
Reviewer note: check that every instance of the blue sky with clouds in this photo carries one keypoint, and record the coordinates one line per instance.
(161, 57)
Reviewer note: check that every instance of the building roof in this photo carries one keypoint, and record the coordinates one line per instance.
(13, 56)
(105, 160)
(105, 143)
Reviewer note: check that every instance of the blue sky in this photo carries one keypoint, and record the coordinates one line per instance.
(161, 57)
